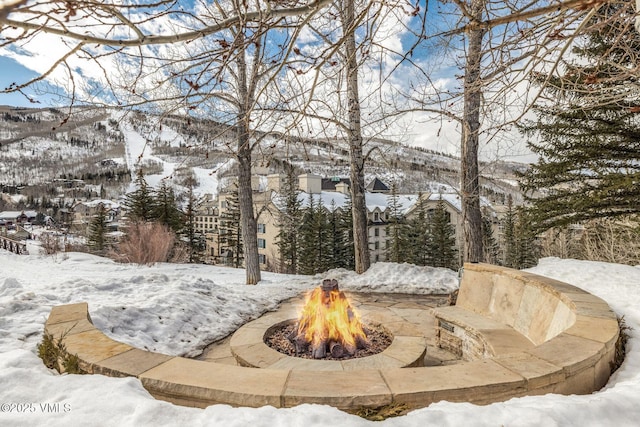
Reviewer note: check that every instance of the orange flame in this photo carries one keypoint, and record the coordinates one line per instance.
(328, 316)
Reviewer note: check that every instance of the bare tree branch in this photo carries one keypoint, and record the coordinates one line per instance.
(7, 6)
(260, 15)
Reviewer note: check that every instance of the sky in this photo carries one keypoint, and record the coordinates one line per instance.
(12, 71)
(199, 304)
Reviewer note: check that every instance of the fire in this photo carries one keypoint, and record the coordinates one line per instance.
(329, 323)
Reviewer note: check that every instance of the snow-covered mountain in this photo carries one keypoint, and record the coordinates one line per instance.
(106, 147)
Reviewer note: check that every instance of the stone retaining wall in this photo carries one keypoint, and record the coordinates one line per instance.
(569, 350)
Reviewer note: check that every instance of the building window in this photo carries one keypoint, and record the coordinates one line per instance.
(376, 232)
(262, 228)
(262, 258)
(262, 243)
(377, 245)
(376, 216)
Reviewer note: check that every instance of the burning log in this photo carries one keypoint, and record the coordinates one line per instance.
(336, 349)
(319, 351)
(329, 324)
(299, 342)
(328, 286)
(361, 342)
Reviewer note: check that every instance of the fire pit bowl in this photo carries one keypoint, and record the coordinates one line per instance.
(279, 337)
(248, 346)
(328, 327)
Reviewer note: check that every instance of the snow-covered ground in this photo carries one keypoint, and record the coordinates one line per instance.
(177, 309)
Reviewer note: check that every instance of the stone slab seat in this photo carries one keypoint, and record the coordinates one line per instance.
(521, 334)
(492, 338)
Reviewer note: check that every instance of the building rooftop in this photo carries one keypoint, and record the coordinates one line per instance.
(377, 186)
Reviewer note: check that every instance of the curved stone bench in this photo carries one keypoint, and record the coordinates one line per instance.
(500, 311)
(510, 315)
(569, 351)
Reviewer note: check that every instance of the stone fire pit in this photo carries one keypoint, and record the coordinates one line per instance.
(323, 308)
(513, 334)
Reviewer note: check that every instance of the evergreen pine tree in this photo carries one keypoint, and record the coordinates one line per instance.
(520, 248)
(231, 231)
(140, 203)
(306, 248)
(289, 221)
(40, 218)
(526, 249)
(346, 227)
(589, 127)
(336, 237)
(490, 245)
(323, 238)
(98, 229)
(314, 239)
(395, 252)
(417, 236)
(195, 240)
(443, 238)
(510, 256)
(166, 209)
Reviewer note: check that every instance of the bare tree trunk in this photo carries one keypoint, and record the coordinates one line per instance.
(245, 192)
(245, 200)
(470, 183)
(359, 207)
